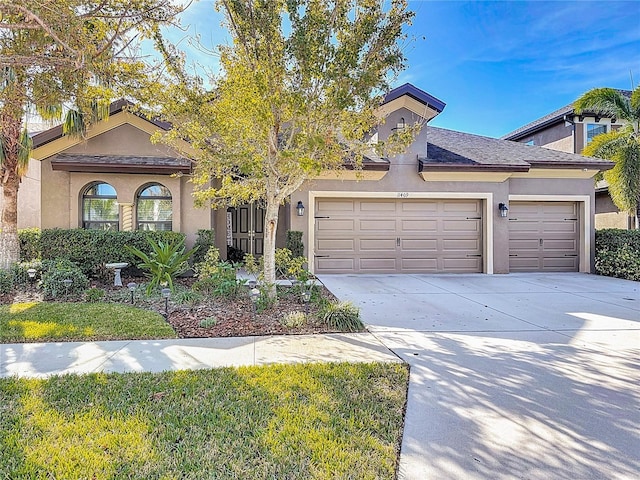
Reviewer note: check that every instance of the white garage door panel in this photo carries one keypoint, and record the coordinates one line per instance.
(543, 236)
(395, 236)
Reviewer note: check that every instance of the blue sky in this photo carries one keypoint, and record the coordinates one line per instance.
(497, 65)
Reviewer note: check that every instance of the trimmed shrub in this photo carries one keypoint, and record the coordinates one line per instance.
(294, 243)
(618, 253)
(6, 281)
(21, 272)
(91, 249)
(56, 272)
(343, 316)
(204, 241)
(29, 244)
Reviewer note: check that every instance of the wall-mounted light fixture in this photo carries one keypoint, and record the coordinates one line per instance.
(300, 208)
(503, 209)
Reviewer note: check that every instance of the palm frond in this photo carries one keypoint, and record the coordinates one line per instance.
(25, 145)
(606, 145)
(50, 111)
(624, 178)
(606, 101)
(74, 124)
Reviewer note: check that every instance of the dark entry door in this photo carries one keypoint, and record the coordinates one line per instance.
(247, 227)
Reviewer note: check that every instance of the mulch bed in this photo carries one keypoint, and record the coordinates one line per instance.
(234, 317)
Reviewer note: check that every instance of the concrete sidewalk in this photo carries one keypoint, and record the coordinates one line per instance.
(39, 360)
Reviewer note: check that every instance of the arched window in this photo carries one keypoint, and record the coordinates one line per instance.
(100, 207)
(154, 208)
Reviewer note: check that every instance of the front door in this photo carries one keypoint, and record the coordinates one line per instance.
(247, 228)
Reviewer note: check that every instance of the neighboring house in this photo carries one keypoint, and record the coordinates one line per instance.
(435, 208)
(566, 131)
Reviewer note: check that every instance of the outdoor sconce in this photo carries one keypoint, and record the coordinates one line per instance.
(300, 208)
(503, 209)
(166, 293)
(132, 288)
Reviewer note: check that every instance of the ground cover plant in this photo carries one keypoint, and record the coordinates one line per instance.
(33, 321)
(313, 421)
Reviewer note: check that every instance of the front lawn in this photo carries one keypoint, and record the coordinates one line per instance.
(313, 421)
(40, 322)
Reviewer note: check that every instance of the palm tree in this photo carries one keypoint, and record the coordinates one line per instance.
(621, 146)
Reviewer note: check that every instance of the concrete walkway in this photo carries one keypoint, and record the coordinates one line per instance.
(512, 376)
(39, 360)
(527, 376)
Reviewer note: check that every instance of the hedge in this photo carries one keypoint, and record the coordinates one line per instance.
(29, 244)
(618, 253)
(90, 249)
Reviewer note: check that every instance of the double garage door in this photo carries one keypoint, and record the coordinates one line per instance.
(397, 235)
(439, 236)
(544, 237)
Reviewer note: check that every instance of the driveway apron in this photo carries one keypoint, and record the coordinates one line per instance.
(528, 376)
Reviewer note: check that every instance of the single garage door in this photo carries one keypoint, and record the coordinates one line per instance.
(397, 235)
(543, 236)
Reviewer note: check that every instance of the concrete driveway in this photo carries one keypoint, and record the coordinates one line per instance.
(520, 376)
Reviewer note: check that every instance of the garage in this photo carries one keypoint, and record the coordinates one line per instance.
(544, 237)
(398, 235)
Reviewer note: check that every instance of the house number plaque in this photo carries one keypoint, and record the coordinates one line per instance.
(403, 194)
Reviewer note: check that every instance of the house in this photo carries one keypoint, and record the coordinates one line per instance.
(452, 203)
(566, 131)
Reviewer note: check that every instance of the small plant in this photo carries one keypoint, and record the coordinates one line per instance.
(94, 295)
(204, 241)
(343, 316)
(6, 281)
(54, 276)
(208, 322)
(265, 301)
(293, 320)
(166, 261)
(209, 264)
(190, 298)
(21, 272)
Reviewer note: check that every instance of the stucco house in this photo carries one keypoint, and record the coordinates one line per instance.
(566, 131)
(453, 202)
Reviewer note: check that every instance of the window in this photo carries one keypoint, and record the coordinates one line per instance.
(594, 129)
(100, 207)
(154, 208)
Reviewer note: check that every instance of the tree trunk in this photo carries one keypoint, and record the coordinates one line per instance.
(270, 228)
(9, 245)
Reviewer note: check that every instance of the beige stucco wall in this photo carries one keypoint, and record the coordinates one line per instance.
(61, 191)
(123, 140)
(28, 197)
(403, 178)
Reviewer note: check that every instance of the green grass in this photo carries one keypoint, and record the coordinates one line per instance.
(313, 421)
(36, 322)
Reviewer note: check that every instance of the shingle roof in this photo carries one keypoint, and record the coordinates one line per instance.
(417, 94)
(549, 119)
(120, 164)
(448, 149)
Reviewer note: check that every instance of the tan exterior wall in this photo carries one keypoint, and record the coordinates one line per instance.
(557, 137)
(123, 140)
(28, 197)
(403, 181)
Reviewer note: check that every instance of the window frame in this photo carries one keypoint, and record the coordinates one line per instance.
(139, 197)
(85, 196)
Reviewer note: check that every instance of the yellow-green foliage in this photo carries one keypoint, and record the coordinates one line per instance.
(319, 421)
